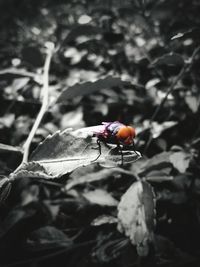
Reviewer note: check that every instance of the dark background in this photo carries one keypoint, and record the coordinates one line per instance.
(154, 47)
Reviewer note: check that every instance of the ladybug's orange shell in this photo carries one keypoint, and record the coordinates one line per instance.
(126, 134)
(132, 131)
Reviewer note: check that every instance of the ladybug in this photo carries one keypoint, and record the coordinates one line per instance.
(115, 133)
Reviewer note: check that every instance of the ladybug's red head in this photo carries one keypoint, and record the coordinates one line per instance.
(126, 134)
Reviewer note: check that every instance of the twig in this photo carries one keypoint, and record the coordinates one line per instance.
(44, 106)
(184, 69)
(170, 89)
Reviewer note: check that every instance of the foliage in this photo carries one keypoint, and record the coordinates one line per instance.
(67, 66)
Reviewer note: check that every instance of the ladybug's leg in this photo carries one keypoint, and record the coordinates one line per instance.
(134, 149)
(99, 147)
(120, 150)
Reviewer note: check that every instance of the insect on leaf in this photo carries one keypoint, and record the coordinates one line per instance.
(136, 216)
(63, 152)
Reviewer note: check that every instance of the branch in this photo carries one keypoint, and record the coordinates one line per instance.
(44, 106)
(187, 66)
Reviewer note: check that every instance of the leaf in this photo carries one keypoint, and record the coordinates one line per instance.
(63, 152)
(81, 30)
(21, 220)
(20, 83)
(157, 129)
(104, 219)
(7, 120)
(5, 187)
(159, 162)
(84, 19)
(94, 176)
(171, 59)
(89, 88)
(177, 192)
(177, 197)
(136, 216)
(31, 170)
(109, 249)
(27, 170)
(12, 73)
(152, 83)
(158, 176)
(29, 194)
(8, 148)
(14, 218)
(48, 237)
(192, 33)
(180, 160)
(72, 119)
(155, 169)
(181, 182)
(193, 103)
(100, 197)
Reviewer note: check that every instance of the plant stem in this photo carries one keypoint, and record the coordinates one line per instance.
(44, 107)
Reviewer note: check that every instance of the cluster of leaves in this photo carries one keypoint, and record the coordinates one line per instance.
(132, 61)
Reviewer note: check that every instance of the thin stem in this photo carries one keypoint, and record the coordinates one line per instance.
(184, 69)
(43, 109)
(170, 89)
